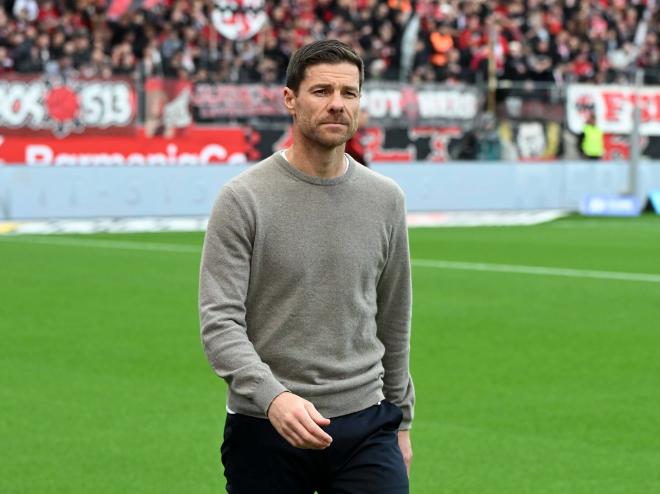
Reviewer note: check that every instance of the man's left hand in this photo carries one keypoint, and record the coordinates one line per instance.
(406, 448)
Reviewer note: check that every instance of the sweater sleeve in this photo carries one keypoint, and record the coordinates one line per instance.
(224, 280)
(393, 317)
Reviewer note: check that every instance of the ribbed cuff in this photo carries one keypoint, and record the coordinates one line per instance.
(406, 422)
(266, 392)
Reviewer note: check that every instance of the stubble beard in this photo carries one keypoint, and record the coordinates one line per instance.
(314, 132)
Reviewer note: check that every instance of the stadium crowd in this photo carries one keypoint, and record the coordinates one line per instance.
(533, 40)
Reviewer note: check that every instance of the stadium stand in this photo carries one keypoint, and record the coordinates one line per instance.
(533, 40)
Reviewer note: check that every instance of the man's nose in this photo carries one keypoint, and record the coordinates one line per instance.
(336, 102)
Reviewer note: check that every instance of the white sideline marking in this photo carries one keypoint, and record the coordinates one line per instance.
(200, 223)
(537, 270)
(104, 244)
(425, 263)
(481, 218)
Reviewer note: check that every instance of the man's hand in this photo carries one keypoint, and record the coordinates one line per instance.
(298, 421)
(406, 448)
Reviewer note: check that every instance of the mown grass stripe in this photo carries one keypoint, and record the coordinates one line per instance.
(427, 263)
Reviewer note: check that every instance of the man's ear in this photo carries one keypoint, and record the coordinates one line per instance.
(289, 100)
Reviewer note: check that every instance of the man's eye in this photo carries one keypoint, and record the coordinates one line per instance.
(320, 91)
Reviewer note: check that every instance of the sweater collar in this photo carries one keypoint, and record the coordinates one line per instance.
(312, 179)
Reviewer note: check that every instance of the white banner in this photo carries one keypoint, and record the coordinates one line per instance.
(613, 107)
(420, 104)
(66, 106)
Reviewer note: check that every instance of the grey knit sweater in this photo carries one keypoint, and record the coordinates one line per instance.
(305, 286)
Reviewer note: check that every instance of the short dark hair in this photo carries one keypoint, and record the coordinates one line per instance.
(325, 51)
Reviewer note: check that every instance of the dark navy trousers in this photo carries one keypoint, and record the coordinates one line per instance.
(364, 457)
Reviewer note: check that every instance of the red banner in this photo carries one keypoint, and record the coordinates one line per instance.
(194, 146)
(217, 101)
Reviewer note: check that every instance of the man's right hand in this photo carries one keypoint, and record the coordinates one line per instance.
(298, 421)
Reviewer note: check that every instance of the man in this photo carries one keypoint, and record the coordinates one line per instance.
(592, 142)
(305, 300)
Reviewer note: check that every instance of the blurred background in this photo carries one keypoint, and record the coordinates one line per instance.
(535, 123)
(526, 104)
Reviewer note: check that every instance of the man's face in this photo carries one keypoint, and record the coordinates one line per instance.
(327, 105)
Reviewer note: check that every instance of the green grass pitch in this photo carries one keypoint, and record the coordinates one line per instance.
(527, 382)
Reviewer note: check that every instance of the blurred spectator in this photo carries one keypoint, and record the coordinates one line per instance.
(442, 42)
(82, 53)
(516, 67)
(591, 139)
(49, 16)
(6, 62)
(540, 62)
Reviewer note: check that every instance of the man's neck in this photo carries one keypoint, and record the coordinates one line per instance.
(317, 162)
